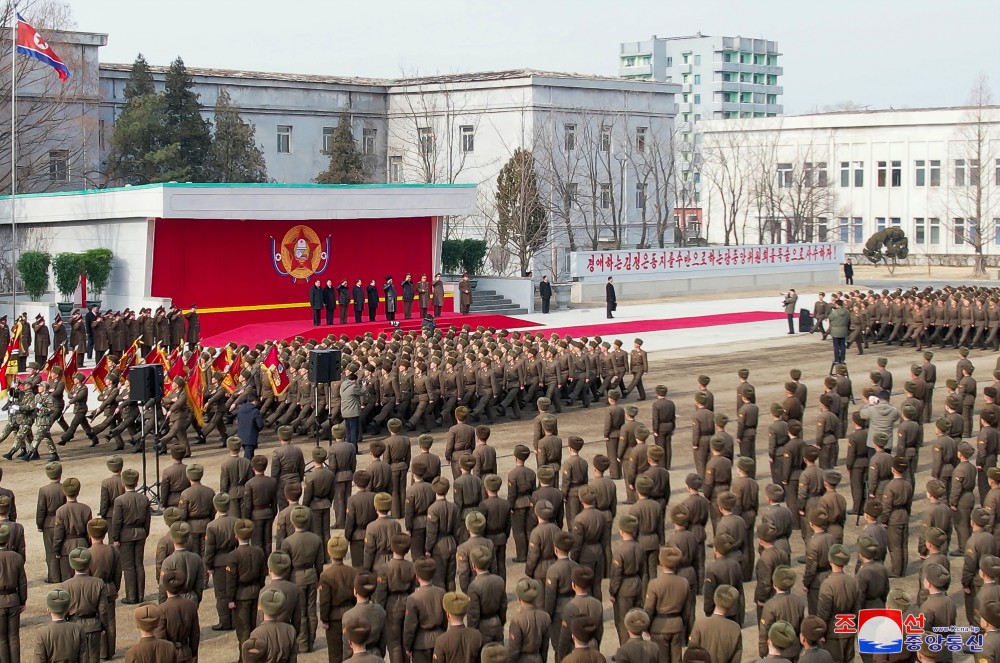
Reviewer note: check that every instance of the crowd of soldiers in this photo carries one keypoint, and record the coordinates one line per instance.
(966, 316)
(398, 559)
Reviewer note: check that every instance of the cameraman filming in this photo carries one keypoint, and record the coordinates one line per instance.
(350, 403)
(791, 299)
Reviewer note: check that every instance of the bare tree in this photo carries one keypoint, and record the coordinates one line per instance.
(727, 168)
(804, 195)
(653, 161)
(974, 202)
(764, 188)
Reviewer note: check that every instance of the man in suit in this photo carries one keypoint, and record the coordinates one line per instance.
(609, 298)
(249, 424)
(545, 292)
(465, 294)
(316, 301)
(437, 298)
(344, 300)
(358, 295)
(789, 302)
(329, 300)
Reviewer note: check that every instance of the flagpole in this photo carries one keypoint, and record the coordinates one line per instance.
(13, 158)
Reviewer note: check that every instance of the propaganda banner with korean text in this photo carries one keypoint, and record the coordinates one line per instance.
(703, 261)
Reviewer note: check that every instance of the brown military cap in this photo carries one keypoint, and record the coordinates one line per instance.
(79, 559)
(545, 474)
(337, 547)
(521, 452)
(783, 578)
(636, 621)
(71, 487)
(726, 596)
(97, 528)
(400, 543)
(424, 568)
(693, 481)
(670, 556)
(727, 500)
(272, 602)
(583, 628)
(259, 463)
(813, 628)
(643, 485)
(180, 532)
(782, 635)
(564, 541)
(53, 471)
(544, 510)
(679, 515)
(775, 492)
(494, 652)
(475, 522)
(455, 603)
(115, 463)
(174, 581)
(527, 590)
(898, 599)
(582, 576)
(383, 502)
(147, 617)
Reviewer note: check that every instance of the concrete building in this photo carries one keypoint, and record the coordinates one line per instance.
(843, 176)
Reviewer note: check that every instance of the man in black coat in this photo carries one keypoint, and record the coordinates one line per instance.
(389, 291)
(358, 295)
(344, 299)
(372, 292)
(545, 292)
(88, 321)
(610, 299)
(316, 301)
(249, 424)
(408, 292)
(329, 300)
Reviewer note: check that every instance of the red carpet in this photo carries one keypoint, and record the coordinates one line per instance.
(257, 333)
(613, 329)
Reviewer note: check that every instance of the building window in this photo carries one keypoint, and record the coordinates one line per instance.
(468, 138)
(697, 100)
(772, 99)
(935, 224)
(647, 59)
(894, 222)
(395, 169)
(685, 58)
(822, 179)
(996, 177)
(569, 196)
(758, 79)
(59, 165)
(960, 172)
(958, 227)
(896, 174)
(686, 97)
(605, 139)
(101, 137)
(327, 139)
(569, 137)
(640, 195)
(879, 223)
(919, 172)
(919, 230)
(605, 196)
(685, 78)
(935, 172)
(368, 140)
(697, 60)
(670, 62)
(859, 174)
(697, 79)
(845, 174)
(284, 139)
(772, 79)
(857, 229)
(880, 173)
(845, 229)
(814, 174)
(425, 139)
(629, 62)
(745, 58)
(640, 138)
(996, 231)
(784, 175)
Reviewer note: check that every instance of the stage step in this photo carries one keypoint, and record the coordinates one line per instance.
(488, 301)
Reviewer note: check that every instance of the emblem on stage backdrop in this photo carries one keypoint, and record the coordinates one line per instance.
(301, 253)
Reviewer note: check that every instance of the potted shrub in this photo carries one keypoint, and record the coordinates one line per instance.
(473, 258)
(68, 268)
(97, 265)
(451, 256)
(33, 266)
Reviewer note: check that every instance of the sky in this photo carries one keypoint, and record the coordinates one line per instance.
(877, 53)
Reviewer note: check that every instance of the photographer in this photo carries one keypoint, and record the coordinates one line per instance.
(791, 299)
(840, 327)
(350, 403)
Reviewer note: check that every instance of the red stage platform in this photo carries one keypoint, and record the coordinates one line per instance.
(289, 329)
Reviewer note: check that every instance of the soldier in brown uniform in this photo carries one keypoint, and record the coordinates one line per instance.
(783, 606)
(498, 522)
(719, 635)
(458, 644)
(442, 532)
(702, 428)
(558, 585)
(88, 603)
(475, 524)
(196, 506)
(461, 438)
(418, 500)
(179, 624)
(424, 618)
(111, 487)
(638, 366)
(70, 526)
(771, 557)
(520, 486)
(219, 543)
(279, 573)
(581, 605)
(185, 560)
(13, 597)
(335, 596)
(817, 558)
(359, 513)
(287, 463)
(246, 570)
(317, 493)
(105, 563)
(614, 419)
(78, 399)
(397, 449)
(591, 537)
(278, 637)
(149, 648)
(367, 610)
(650, 534)
(234, 474)
(665, 602)
(59, 639)
(343, 463)
(260, 504)
(50, 498)
(308, 554)
(663, 421)
(396, 581)
(528, 634)
(838, 594)
(378, 535)
(634, 648)
(487, 597)
(939, 609)
(627, 574)
(130, 523)
(896, 503)
(575, 473)
(173, 478)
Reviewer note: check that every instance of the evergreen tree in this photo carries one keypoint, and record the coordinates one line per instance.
(139, 152)
(184, 124)
(235, 155)
(521, 226)
(345, 160)
(140, 80)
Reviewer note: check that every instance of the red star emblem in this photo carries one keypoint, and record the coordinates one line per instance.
(310, 250)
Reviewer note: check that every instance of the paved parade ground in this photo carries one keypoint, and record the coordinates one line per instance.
(676, 358)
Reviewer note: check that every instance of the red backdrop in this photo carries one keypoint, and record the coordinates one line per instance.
(231, 263)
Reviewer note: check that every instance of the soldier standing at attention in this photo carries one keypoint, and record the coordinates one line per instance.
(783, 606)
(397, 450)
(149, 649)
(520, 486)
(186, 561)
(50, 498)
(246, 570)
(59, 639)
(720, 636)
(424, 618)
(130, 523)
(13, 597)
(70, 526)
(234, 474)
(378, 535)
(220, 541)
(636, 648)
(665, 601)
(392, 586)
(487, 598)
(497, 513)
(196, 506)
(287, 463)
(179, 624)
(334, 596)
(458, 644)
(419, 498)
(260, 504)
(343, 463)
(279, 636)
(838, 594)
(105, 563)
(360, 512)
(308, 554)
(88, 602)
(317, 493)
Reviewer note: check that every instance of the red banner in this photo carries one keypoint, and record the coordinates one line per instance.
(276, 372)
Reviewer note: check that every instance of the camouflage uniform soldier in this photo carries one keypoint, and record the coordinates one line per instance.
(45, 414)
(23, 419)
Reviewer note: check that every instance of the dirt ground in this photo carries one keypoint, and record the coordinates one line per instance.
(769, 364)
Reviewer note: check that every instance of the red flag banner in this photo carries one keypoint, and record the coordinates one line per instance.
(71, 369)
(58, 358)
(8, 369)
(196, 398)
(129, 359)
(99, 376)
(276, 372)
(231, 378)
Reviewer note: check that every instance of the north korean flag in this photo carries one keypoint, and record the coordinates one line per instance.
(30, 43)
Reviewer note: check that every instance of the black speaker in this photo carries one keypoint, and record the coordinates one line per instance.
(145, 382)
(324, 366)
